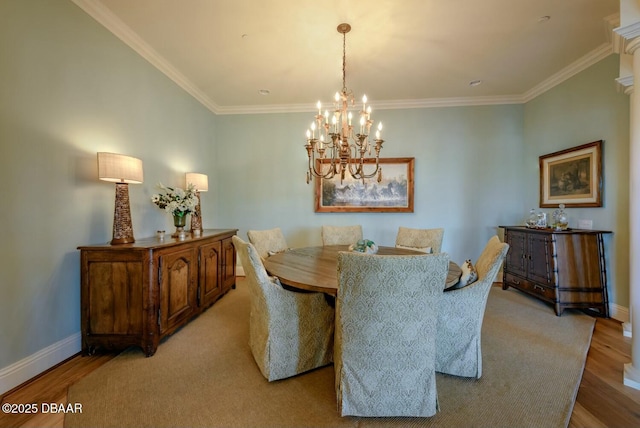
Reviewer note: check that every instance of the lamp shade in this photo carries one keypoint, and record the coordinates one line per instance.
(199, 181)
(119, 168)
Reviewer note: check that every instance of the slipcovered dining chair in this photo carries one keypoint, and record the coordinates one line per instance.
(289, 332)
(341, 235)
(458, 343)
(268, 241)
(386, 317)
(425, 240)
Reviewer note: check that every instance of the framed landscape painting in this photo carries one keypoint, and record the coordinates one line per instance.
(393, 194)
(572, 177)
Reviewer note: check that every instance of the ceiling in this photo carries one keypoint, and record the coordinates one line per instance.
(401, 53)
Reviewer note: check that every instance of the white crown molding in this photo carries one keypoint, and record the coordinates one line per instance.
(449, 102)
(104, 16)
(379, 105)
(611, 22)
(571, 70)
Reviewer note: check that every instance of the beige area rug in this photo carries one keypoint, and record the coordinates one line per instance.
(205, 376)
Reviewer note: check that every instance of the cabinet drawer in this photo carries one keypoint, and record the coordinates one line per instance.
(543, 292)
(582, 297)
(515, 281)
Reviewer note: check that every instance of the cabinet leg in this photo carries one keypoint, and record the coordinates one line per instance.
(558, 309)
(149, 350)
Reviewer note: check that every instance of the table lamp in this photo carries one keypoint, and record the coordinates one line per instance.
(201, 184)
(122, 170)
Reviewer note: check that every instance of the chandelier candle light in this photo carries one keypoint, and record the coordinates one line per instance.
(330, 135)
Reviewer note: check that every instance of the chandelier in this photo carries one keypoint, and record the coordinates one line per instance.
(333, 146)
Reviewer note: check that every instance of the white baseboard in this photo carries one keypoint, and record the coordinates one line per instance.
(31, 366)
(626, 329)
(619, 313)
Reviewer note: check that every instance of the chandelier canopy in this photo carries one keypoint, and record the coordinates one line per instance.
(332, 140)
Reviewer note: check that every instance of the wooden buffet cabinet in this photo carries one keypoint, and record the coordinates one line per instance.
(564, 268)
(136, 294)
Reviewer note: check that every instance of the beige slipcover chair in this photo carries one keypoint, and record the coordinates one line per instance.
(420, 239)
(459, 350)
(289, 332)
(384, 349)
(341, 235)
(268, 241)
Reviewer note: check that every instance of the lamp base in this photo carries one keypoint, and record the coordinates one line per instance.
(118, 241)
(196, 218)
(122, 228)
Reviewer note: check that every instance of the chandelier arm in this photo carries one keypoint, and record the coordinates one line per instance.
(345, 150)
(359, 172)
(318, 173)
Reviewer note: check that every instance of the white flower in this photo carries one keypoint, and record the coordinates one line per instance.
(176, 200)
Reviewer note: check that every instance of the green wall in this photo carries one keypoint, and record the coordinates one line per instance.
(467, 167)
(69, 88)
(586, 108)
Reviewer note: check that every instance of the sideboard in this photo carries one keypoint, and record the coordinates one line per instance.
(136, 294)
(564, 268)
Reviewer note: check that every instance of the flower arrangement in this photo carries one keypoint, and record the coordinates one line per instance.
(364, 246)
(175, 200)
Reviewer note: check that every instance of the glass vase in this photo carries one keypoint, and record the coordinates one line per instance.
(532, 220)
(179, 221)
(561, 218)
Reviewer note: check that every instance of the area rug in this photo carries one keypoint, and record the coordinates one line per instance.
(204, 376)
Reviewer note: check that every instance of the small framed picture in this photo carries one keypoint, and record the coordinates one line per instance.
(572, 177)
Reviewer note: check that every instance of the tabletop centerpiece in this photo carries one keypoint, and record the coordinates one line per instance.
(179, 202)
(364, 246)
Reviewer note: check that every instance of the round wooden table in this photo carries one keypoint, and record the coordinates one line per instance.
(315, 268)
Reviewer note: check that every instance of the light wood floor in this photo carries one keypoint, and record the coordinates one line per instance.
(603, 400)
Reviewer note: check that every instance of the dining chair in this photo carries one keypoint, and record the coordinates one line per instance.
(289, 332)
(267, 242)
(458, 342)
(341, 235)
(425, 240)
(385, 340)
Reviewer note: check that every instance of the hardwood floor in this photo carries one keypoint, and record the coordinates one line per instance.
(602, 401)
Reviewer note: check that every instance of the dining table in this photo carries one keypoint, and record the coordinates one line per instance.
(315, 268)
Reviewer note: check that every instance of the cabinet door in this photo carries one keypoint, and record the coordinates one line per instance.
(178, 300)
(541, 261)
(517, 256)
(229, 264)
(210, 259)
(113, 295)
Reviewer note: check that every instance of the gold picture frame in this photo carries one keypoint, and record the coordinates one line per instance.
(572, 177)
(393, 194)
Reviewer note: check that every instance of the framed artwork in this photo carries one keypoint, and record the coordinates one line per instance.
(572, 177)
(393, 194)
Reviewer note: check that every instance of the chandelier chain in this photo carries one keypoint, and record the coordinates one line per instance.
(333, 140)
(344, 62)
